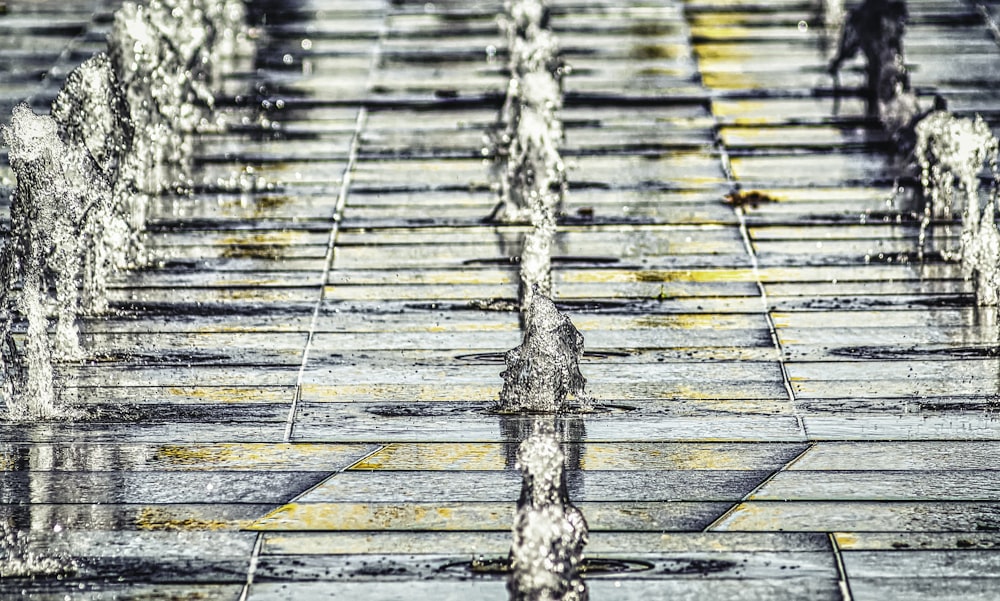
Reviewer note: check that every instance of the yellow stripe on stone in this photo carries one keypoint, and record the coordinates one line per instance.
(373, 516)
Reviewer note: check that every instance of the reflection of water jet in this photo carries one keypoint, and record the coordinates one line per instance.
(549, 531)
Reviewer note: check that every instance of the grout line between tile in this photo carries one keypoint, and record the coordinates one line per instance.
(763, 482)
(252, 567)
(842, 581)
(337, 217)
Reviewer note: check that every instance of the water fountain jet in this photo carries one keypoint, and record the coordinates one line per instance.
(56, 187)
(545, 368)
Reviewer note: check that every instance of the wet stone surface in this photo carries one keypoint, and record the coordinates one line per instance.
(291, 400)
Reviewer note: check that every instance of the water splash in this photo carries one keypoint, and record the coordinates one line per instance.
(120, 131)
(549, 531)
(545, 368)
(93, 118)
(951, 152)
(531, 173)
(56, 186)
(876, 29)
(18, 561)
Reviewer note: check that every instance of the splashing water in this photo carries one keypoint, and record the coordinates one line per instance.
(17, 561)
(531, 173)
(951, 152)
(545, 368)
(119, 132)
(93, 118)
(54, 185)
(549, 532)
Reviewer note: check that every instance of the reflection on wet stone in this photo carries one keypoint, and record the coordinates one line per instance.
(549, 532)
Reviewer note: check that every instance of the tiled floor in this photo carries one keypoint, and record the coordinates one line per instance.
(292, 402)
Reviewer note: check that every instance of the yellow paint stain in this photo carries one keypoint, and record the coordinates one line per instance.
(436, 456)
(405, 516)
(737, 108)
(223, 394)
(713, 32)
(845, 540)
(729, 80)
(7, 462)
(658, 71)
(259, 245)
(750, 516)
(254, 456)
(160, 519)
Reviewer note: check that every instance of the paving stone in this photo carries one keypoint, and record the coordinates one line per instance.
(476, 516)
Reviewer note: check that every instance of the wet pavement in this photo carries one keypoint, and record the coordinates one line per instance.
(292, 401)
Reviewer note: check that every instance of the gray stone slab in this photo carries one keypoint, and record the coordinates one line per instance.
(889, 541)
(458, 374)
(390, 591)
(118, 432)
(618, 455)
(950, 457)
(629, 516)
(919, 589)
(119, 486)
(820, 170)
(336, 428)
(223, 458)
(181, 375)
(874, 485)
(590, 485)
(473, 543)
(965, 563)
(397, 567)
(960, 427)
(133, 517)
(861, 516)
(49, 590)
(617, 589)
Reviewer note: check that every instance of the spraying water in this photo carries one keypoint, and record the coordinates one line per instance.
(16, 561)
(530, 170)
(93, 118)
(545, 369)
(56, 186)
(119, 132)
(951, 152)
(549, 532)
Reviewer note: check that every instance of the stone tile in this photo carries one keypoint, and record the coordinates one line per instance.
(860, 516)
(619, 455)
(481, 516)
